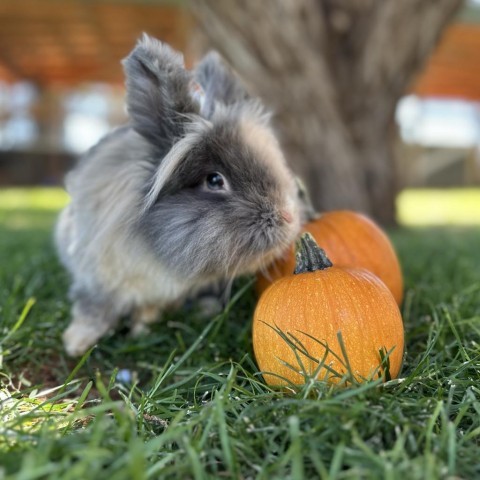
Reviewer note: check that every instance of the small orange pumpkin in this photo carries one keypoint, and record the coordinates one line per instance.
(311, 308)
(350, 239)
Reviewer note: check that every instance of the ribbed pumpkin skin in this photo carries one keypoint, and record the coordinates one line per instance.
(349, 239)
(322, 303)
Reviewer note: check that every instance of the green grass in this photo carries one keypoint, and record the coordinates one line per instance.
(198, 408)
(456, 206)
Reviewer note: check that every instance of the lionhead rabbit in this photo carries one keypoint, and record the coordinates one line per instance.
(194, 190)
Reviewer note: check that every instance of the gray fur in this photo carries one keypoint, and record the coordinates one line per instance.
(143, 231)
(219, 83)
(158, 98)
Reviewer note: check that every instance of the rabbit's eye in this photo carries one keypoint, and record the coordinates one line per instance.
(215, 181)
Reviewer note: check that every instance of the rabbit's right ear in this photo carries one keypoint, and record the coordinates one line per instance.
(219, 83)
(158, 92)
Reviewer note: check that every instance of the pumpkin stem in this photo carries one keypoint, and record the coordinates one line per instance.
(309, 211)
(309, 256)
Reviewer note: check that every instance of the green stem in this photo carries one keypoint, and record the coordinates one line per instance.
(309, 256)
(309, 212)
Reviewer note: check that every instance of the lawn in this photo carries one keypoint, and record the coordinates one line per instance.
(188, 401)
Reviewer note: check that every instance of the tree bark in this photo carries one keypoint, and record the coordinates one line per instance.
(333, 71)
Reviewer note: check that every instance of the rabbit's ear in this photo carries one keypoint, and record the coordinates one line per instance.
(158, 94)
(219, 83)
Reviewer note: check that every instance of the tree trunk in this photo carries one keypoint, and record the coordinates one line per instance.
(333, 71)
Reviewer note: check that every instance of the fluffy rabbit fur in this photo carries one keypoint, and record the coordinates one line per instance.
(193, 191)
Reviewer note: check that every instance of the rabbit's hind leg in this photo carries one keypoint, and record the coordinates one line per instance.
(142, 317)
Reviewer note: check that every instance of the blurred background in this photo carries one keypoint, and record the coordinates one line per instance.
(377, 103)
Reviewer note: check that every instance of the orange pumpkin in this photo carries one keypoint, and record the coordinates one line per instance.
(350, 239)
(316, 306)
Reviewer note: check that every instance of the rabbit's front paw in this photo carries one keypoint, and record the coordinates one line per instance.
(88, 325)
(79, 337)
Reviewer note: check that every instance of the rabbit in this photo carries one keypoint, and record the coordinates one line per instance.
(193, 190)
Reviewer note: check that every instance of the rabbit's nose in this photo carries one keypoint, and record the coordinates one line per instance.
(286, 215)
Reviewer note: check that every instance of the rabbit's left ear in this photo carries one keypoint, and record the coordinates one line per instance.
(159, 97)
(219, 83)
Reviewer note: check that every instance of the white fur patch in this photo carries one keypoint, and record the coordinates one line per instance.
(174, 157)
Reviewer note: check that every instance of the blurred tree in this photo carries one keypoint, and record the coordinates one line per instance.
(333, 70)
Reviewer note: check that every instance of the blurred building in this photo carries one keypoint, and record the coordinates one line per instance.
(440, 121)
(61, 81)
(61, 87)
